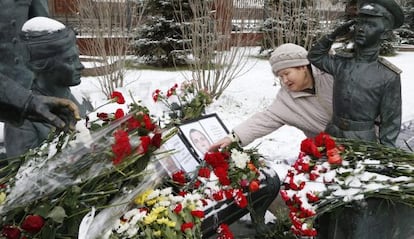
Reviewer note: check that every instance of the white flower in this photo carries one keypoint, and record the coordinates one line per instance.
(240, 158)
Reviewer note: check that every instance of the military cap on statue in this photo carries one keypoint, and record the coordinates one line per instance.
(382, 8)
(45, 37)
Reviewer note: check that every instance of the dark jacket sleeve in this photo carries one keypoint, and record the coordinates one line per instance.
(39, 8)
(18, 140)
(319, 55)
(390, 114)
(13, 100)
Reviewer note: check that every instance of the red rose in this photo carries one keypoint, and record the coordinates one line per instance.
(118, 97)
(312, 197)
(11, 232)
(33, 223)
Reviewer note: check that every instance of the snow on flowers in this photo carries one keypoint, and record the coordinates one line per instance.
(178, 213)
(77, 171)
(330, 173)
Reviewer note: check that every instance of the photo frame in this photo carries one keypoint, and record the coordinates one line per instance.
(187, 147)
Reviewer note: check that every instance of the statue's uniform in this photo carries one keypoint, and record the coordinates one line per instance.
(366, 92)
(13, 73)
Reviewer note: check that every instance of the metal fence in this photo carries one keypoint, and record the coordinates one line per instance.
(248, 15)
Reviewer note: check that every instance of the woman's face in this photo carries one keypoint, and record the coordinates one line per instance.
(200, 141)
(295, 78)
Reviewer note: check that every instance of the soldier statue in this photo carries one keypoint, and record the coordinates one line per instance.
(366, 93)
(367, 88)
(16, 100)
(53, 56)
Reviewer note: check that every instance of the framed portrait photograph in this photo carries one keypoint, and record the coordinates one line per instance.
(185, 150)
(202, 132)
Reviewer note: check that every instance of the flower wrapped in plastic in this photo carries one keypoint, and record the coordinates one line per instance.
(69, 174)
(179, 212)
(330, 173)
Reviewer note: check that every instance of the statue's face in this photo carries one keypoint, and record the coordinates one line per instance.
(369, 31)
(67, 68)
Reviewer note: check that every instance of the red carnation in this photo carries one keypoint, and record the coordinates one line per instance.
(254, 186)
(33, 223)
(186, 225)
(118, 97)
(178, 208)
(197, 213)
(179, 177)
(204, 172)
(156, 140)
(308, 147)
(145, 142)
(119, 113)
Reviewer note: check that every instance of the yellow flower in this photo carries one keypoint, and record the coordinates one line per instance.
(157, 233)
(2, 197)
(166, 222)
(151, 202)
(170, 223)
(158, 210)
(140, 199)
(150, 219)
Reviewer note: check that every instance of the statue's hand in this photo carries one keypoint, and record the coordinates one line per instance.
(61, 113)
(342, 29)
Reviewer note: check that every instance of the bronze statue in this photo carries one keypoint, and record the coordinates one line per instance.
(53, 56)
(16, 100)
(367, 92)
(367, 88)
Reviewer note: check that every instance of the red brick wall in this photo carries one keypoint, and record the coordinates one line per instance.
(63, 7)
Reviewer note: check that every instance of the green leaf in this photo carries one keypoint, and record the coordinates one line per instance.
(42, 210)
(58, 214)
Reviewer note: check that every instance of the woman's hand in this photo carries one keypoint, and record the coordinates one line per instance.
(222, 143)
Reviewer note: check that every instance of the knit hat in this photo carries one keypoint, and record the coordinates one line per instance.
(288, 55)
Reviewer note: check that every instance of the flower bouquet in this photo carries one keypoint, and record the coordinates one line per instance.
(189, 208)
(331, 173)
(56, 184)
(184, 102)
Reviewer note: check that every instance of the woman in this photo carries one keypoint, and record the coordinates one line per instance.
(304, 100)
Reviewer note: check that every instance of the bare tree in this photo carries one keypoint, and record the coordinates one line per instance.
(108, 26)
(295, 21)
(217, 54)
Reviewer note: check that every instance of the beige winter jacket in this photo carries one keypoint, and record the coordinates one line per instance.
(305, 111)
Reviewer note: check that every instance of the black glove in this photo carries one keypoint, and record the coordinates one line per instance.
(62, 113)
(342, 30)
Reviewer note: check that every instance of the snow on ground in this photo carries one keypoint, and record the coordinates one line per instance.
(247, 94)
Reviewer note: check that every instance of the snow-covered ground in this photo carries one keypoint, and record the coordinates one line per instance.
(247, 94)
